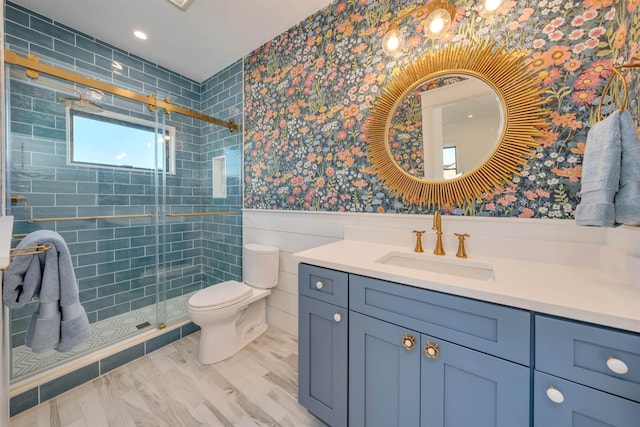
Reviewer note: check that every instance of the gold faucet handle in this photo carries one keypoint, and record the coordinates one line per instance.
(419, 234)
(462, 253)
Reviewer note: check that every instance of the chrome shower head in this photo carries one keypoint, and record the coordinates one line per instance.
(81, 104)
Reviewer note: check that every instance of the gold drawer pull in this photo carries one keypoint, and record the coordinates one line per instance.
(555, 395)
(617, 366)
(337, 317)
(431, 350)
(408, 341)
(319, 285)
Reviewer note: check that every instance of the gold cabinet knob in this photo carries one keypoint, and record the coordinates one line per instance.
(337, 317)
(431, 350)
(462, 253)
(408, 341)
(419, 234)
(319, 285)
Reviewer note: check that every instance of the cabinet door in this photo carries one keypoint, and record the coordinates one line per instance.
(579, 406)
(461, 387)
(384, 376)
(322, 360)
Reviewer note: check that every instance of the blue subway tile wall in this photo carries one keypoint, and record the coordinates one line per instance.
(71, 380)
(223, 97)
(115, 260)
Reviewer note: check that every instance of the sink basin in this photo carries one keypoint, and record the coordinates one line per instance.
(453, 267)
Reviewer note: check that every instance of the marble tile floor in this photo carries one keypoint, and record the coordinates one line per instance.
(255, 387)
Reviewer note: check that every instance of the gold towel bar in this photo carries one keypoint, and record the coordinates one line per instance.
(202, 213)
(30, 250)
(26, 251)
(81, 218)
(84, 218)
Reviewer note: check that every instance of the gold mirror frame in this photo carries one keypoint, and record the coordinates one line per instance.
(519, 91)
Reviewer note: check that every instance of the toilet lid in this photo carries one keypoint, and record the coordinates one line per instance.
(225, 293)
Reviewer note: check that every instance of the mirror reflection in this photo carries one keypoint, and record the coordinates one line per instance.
(445, 127)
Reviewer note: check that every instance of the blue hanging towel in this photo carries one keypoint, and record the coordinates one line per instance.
(600, 173)
(59, 322)
(627, 201)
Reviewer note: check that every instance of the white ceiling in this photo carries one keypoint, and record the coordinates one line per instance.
(209, 36)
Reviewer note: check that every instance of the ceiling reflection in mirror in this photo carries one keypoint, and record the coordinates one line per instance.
(445, 127)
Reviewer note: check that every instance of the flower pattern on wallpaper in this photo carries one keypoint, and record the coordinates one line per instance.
(309, 92)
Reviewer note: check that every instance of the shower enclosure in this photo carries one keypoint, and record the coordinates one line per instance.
(129, 187)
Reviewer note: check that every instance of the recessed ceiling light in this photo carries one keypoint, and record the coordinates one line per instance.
(470, 116)
(139, 34)
(182, 4)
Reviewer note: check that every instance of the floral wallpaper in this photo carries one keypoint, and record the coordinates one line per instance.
(309, 92)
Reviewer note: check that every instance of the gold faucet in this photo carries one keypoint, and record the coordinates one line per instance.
(419, 234)
(462, 253)
(437, 225)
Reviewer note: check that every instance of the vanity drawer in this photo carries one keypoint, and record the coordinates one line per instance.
(579, 406)
(490, 328)
(580, 352)
(323, 284)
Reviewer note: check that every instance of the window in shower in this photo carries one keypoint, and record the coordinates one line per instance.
(113, 140)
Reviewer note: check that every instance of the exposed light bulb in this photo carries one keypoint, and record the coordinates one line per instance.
(492, 5)
(393, 41)
(436, 25)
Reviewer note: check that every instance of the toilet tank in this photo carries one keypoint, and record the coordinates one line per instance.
(260, 265)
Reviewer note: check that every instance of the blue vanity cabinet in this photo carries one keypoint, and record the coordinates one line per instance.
(322, 344)
(459, 384)
(461, 387)
(585, 375)
(384, 373)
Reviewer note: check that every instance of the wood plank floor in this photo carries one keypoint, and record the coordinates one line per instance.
(256, 387)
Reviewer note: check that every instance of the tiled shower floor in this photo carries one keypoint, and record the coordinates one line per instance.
(25, 363)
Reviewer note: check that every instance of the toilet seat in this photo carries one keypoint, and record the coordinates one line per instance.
(219, 296)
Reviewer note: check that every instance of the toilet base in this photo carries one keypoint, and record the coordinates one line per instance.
(220, 342)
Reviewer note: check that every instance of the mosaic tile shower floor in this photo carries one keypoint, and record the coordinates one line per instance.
(25, 363)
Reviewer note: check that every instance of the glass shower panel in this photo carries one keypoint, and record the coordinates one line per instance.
(91, 166)
(181, 248)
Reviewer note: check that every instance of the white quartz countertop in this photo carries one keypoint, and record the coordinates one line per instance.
(574, 292)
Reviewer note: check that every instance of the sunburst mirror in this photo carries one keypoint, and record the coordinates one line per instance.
(455, 124)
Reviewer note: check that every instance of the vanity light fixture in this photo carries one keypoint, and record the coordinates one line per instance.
(182, 4)
(438, 15)
(393, 40)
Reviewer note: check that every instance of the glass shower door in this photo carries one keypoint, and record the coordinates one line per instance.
(90, 166)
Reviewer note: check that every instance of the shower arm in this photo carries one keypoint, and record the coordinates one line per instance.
(33, 65)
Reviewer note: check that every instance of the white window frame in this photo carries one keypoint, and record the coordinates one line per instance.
(171, 150)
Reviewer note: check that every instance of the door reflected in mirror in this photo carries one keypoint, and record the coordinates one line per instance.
(445, 127)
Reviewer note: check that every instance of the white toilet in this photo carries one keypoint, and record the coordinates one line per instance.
(232, 314)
